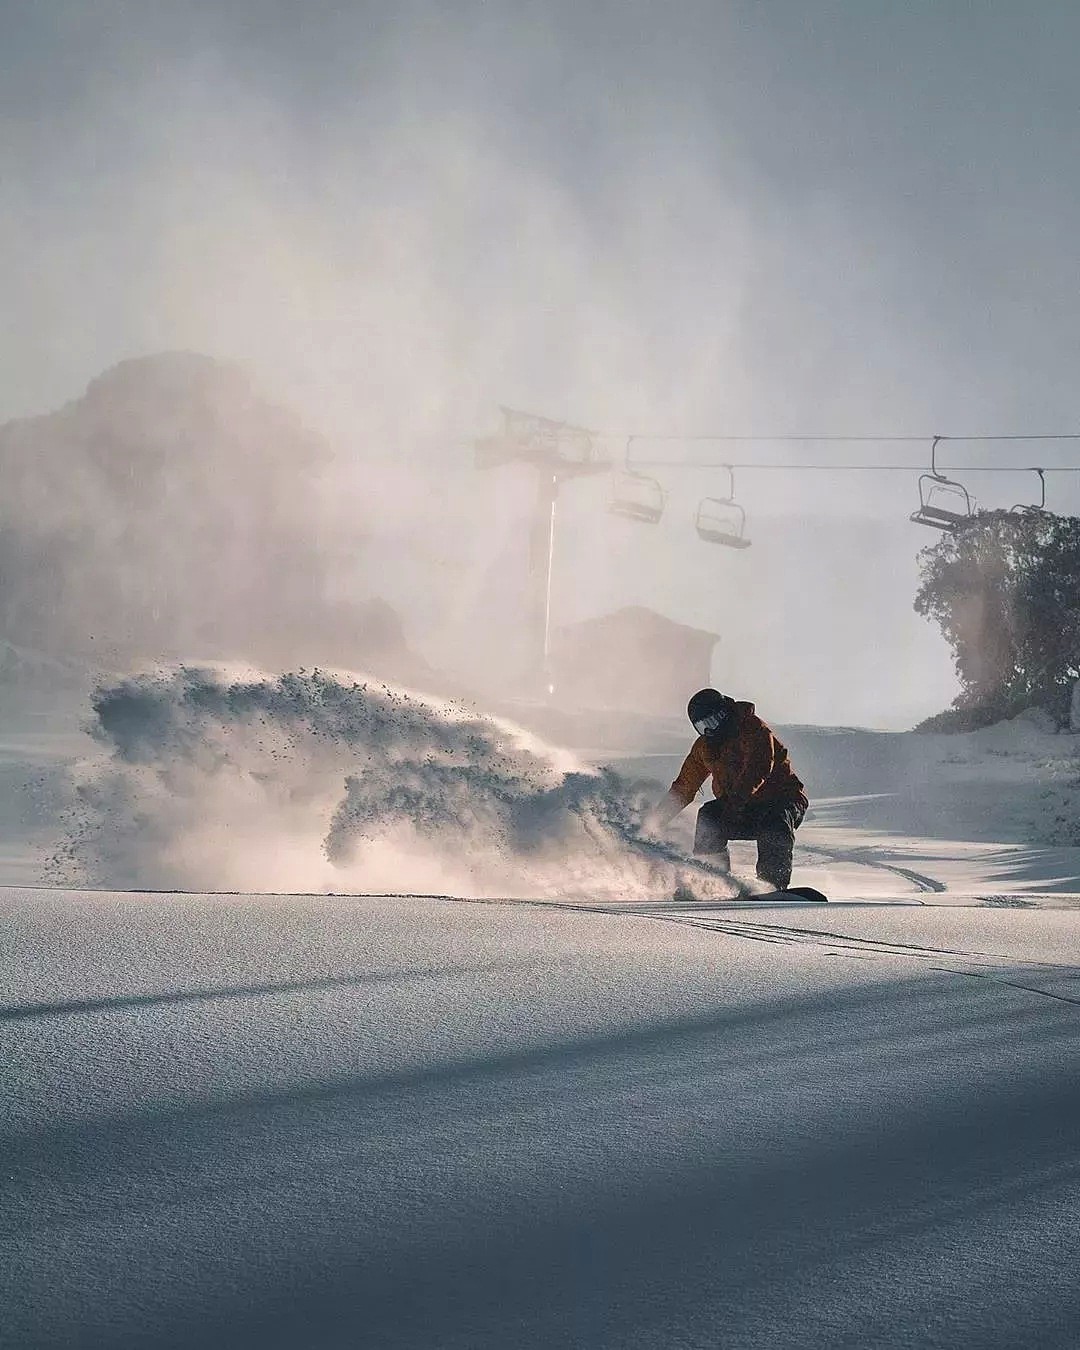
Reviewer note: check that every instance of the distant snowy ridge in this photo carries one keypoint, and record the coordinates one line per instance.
(324, 781)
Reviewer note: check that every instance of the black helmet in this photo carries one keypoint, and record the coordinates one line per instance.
(711, 712)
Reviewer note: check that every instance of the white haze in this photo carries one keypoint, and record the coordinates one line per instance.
(841, 217)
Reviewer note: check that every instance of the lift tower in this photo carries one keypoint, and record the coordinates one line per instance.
(557, 451)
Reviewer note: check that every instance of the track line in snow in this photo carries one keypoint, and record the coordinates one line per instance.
(835, 944)
(869, 949)
(694, 915)
(1012, 984)
(866, 858)
(885, 946)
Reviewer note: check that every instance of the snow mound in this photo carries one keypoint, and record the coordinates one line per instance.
(320, 781)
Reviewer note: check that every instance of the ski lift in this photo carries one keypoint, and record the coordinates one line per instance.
(721, 520)
(636, 496)
(943, 503)
(1029, 508)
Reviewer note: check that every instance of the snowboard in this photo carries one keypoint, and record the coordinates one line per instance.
(794, 893)
(806, 894)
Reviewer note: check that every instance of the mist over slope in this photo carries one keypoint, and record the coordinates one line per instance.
(315, 781)
(174, 510)
(176, 513)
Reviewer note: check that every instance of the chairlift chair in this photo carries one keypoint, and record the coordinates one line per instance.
(944, 504)
(721, 520)
(1030, 508)
(635, 496)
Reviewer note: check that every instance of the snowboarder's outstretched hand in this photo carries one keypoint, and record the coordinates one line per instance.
(662, 814)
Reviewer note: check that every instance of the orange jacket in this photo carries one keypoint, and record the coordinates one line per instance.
(750, 765)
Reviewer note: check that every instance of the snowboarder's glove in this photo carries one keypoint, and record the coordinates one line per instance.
(664, 812)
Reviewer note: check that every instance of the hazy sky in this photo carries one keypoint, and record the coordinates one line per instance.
(794, 215)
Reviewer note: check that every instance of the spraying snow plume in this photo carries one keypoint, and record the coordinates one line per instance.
(316, 781)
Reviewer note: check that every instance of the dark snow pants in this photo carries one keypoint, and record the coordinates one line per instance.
(772, 824)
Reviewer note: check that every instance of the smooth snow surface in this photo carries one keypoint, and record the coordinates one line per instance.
(254, 1121)
(589, 1116)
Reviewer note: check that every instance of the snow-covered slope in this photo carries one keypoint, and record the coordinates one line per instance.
(591, 1116)
(248, 1121)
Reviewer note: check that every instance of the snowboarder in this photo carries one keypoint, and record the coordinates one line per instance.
(757, 795)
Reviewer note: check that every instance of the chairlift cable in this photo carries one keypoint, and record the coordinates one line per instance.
(827, 437)
(846, 468)
(805, 438)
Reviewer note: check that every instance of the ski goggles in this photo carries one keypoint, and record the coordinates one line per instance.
(716, 721)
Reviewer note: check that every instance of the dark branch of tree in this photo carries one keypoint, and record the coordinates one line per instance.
(1005, 591)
